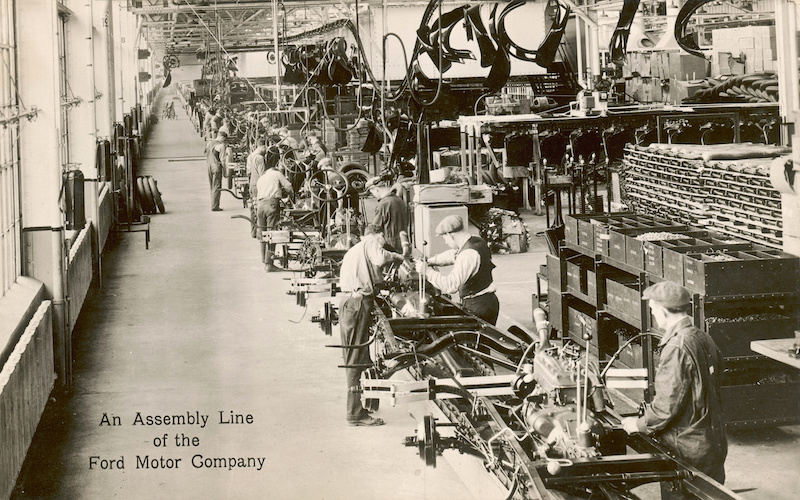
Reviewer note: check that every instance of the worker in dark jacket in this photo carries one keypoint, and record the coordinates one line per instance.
(686, 412)
(471, 275)
(391, 214)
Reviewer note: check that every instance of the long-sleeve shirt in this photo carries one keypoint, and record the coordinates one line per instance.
(465, 262)
(272, 184)
(686, 412)
(360, 266)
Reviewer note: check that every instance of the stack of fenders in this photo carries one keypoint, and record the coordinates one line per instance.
(742, 291)
(734, 197)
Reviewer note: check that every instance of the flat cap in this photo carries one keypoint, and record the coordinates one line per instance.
(668, 294)
(450, 224)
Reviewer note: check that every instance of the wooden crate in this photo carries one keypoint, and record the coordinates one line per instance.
(754, 272)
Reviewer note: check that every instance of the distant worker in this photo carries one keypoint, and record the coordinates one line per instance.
(216, 153)
(226, 126)
(286, 139)
(391, 213)
(206, 126)
(360, 278)
(216, 122)
(686, 412)
(271, 187)
(471, 275)
(256, 166)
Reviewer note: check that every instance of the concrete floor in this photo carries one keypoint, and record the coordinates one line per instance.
(194, 325)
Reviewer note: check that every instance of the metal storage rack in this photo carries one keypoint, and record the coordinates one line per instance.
(741, 292)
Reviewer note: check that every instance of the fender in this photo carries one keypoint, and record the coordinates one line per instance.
(619, 40)
(546, 53)
(686, 42)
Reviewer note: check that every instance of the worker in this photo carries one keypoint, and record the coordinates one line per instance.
(215, 123)
(360, 278)
(226, 126)
(207, 119)
(471, 275)
(391, 213)
(216, 153)
(286, 139)
(256, 166)
(271, 187)
(686, 412)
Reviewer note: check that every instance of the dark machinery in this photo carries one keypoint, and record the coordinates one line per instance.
(537, 417)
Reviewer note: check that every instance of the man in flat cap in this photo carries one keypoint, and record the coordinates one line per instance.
(391, 214)
(686, 412)
(471, 275)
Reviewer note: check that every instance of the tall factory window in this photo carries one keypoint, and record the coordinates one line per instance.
(10, 111)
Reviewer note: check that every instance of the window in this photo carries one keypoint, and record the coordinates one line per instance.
(10, 110)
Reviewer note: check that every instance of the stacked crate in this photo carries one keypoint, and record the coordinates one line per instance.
(742, 291)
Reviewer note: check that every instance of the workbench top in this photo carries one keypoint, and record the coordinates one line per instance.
(777, 349)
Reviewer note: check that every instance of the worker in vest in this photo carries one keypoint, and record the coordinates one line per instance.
(686, 412)
(216, 152)
(471, 275)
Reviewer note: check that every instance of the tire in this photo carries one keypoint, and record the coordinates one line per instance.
(358, 179)
(141, 196)
(148, 193)
(353, 165)
(156, 194)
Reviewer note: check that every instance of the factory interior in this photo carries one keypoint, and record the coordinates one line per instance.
(400, 249)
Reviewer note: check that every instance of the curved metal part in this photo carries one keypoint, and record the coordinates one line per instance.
(619, 40)
(480, 338)
(501, 35)
(687, 42)
(501, 66)
(546, 53)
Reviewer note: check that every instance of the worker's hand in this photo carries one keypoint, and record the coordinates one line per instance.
(397, 257)
(629, 425)
(419, 265)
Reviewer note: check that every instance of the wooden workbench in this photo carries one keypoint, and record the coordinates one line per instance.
(777, 349)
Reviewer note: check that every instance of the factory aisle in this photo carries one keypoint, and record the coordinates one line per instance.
(192, 338)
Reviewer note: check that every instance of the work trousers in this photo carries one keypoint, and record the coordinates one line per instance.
(355, 317)
(215, 182)
(485, 306)
(268, 215)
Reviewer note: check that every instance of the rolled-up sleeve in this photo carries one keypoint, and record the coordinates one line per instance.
(672, 389)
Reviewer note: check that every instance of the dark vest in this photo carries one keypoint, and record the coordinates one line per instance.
(483, 278)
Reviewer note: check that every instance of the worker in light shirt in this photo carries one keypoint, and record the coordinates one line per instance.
(360, 279)
(471, 275)
(270, 188)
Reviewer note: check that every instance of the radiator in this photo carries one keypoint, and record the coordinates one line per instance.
(25, 384)
(79, 273)
(105, 216)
